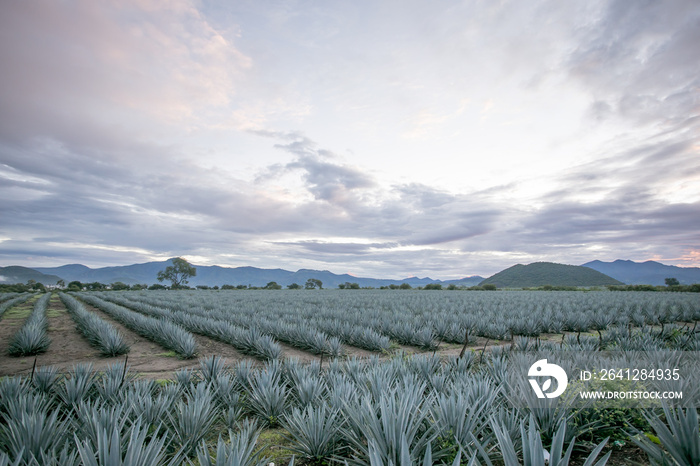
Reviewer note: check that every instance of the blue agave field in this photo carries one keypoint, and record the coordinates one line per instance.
(449, 381)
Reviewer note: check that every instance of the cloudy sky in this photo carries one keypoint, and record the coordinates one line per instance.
(377, 138)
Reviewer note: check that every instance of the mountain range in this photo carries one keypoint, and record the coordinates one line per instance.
(625, 271)
(645, 273)
(210, 275)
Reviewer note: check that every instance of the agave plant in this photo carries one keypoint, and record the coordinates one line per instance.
(313, 432)
(28, 435)
(679, 436)
(212, 368)
(78, 386)
(191, 421)
(397, 415)
(341, 390)
(243, 372)
(113, 382)
(150, 409)
(27, 403)
(94, 418)
(227, 393)
(32, 338)
(10, 389)
(309, 390)
(461, 365)
(334, 347)
(185, 377)
(267, 397)
(113, 449)
(44, 378)
(548, 413)
(458, 417)
(425, 365)
(533, 451)
(239, 451)
(406, 458)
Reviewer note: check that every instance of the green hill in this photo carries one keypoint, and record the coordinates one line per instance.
(548, 273)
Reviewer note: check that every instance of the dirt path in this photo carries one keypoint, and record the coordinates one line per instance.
(354, 351)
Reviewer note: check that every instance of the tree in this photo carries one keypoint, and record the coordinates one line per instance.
(178, 273)
(672, 282)
(273, 286)
(119, 286)
(36, 286)
(312, 283)
(75, 285)
(294, 286)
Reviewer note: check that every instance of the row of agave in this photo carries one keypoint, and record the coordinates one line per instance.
(424, 319)
(312, 333)
(98, 332)
(402, 411)
(32, 338)
(248, 340)
(13, 300)
(352, 328)
(11, 295)
(334, 314)
(236, 331)
(252, 341)
(164, 332)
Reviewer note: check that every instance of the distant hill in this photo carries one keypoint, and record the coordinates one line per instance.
(548, 273)
(645, 273)
(16, 274)
(215, 275)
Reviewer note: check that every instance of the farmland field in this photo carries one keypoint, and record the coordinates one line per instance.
(366, 376)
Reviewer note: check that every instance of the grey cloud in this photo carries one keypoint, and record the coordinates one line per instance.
(97, 183)
(330, 182)
(642, 59)
(338, 184)
(327, 248)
